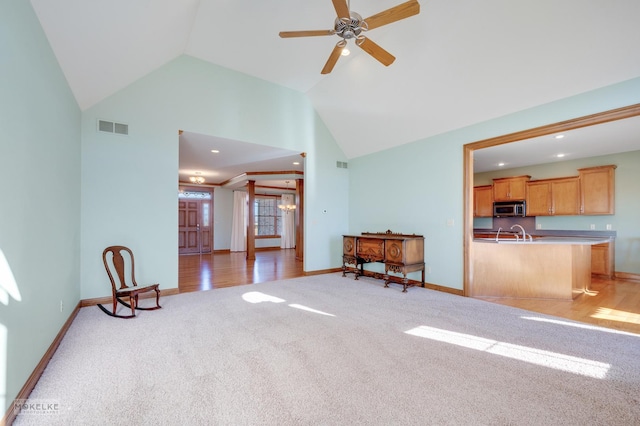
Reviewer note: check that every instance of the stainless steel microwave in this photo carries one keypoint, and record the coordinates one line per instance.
(509, 208)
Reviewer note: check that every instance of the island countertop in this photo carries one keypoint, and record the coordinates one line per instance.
(547, 240)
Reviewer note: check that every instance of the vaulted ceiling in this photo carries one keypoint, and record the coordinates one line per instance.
(457, 62)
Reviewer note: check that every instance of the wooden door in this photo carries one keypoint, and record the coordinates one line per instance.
(189, 226)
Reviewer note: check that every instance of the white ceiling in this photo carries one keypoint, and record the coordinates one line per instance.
(458, 62)
(602, 139)
(235, 158)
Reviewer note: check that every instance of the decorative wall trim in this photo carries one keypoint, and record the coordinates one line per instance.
(627, 276)
(322, 271)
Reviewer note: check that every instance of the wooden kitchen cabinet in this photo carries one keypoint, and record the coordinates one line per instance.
(483, 201)
(511, 188)
(553, 197)
(597, 190)
(602, 259)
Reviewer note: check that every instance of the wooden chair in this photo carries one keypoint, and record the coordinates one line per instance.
(115, 262)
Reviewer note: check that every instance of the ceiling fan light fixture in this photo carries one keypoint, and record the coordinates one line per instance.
(345, 51)
(349, 25)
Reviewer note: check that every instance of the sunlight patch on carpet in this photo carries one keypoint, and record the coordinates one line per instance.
(535, 356)
(308, 309)
(259, 297)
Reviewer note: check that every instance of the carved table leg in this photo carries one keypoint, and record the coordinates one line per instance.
(386, 276)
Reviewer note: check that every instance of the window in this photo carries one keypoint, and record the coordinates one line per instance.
(267, 216)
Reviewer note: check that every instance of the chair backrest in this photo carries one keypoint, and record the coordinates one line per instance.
(114, 262)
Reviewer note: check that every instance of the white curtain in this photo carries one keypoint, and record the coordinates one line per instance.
(288, 235)
(239, 222)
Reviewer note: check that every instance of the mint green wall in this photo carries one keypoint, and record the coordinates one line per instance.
(410, 189)
(129, 191)
(418, 188)
(40, 187)
(626, 221)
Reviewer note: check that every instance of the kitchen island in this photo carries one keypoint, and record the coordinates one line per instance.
(545, 268)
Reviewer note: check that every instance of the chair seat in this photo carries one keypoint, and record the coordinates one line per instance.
(137, 289)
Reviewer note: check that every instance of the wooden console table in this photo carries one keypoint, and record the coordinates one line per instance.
(400, 253)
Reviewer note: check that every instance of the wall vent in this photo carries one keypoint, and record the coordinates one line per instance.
(341, 164)
(112, 127)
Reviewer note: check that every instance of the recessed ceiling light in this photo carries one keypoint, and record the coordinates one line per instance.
(215, 151)
(500, 164)
(296, 163)
(559, 136)
(559, 155)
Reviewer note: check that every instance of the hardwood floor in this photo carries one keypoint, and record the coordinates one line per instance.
(608, 303)
(209, 271)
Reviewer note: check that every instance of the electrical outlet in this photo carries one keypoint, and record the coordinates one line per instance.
(61, 306)
(608, 227)
(449, 222)
(592, 226)
(538, 226)
(428, 269)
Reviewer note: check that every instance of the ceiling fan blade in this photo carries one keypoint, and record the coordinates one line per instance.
(376, 51)
(341, 8)
(396, 13)
(311, 33)
(333, 58)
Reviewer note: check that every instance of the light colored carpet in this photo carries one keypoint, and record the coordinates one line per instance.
(327, 350)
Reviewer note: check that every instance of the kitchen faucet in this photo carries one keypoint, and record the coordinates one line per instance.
(524, 234)
(498, 234)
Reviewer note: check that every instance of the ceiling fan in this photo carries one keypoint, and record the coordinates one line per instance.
(349, 25)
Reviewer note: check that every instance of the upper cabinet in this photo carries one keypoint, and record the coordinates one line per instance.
(597, 195)
(483, 201)
(511, 188)
(553, 197)
(592, 192)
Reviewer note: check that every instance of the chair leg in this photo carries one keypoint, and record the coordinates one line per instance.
(132, 302)
(115, 303)
(157, 297)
